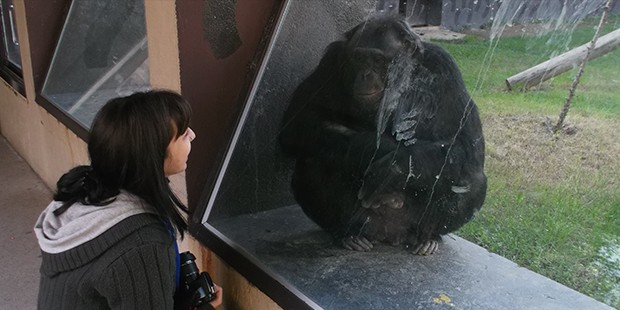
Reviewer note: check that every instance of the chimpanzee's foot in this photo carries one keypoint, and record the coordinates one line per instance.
(426, 248)
(391, 200)
(356, 244)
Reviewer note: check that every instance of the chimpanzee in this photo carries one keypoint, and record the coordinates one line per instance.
(387, 141)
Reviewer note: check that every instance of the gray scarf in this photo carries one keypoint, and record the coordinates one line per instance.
(82, 223)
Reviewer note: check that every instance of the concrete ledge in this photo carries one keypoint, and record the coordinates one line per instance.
(461, 276)
(437, 33)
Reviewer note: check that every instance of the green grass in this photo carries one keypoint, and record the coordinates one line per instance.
(553, 203)
(515, 54)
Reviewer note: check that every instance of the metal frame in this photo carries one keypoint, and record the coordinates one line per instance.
(273, 285)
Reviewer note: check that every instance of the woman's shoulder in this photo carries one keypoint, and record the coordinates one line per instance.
(147, 241)
(141, 224)
(133, 231)
(143, 230)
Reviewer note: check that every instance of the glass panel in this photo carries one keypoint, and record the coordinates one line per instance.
(11, 41)
(102, 53)
(405, 168)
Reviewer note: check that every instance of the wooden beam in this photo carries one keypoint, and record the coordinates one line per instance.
(562, 63)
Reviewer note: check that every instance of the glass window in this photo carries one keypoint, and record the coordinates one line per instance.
(316, 165)
(102, 53)
(10, 39)
(10, 59)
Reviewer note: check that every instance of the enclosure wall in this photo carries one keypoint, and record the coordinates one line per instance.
(51, 148)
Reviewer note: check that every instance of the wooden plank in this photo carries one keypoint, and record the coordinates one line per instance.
(562, 63)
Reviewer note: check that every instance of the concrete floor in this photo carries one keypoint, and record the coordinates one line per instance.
(22, 197)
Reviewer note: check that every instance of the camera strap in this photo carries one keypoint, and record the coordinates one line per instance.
(177, 275)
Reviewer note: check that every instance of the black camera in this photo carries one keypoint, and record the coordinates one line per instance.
(196, 288)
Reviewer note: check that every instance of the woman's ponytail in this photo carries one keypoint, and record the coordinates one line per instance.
(81, 184)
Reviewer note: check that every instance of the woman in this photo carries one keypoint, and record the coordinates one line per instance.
(108, 238)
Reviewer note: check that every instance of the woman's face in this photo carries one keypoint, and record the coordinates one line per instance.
(177, 152)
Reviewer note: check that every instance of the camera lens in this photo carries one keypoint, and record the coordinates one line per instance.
(188, 267)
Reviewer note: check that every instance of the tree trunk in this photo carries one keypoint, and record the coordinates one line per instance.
(589, 49)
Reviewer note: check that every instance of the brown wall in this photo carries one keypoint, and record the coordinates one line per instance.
(217, 87)
(216, 76)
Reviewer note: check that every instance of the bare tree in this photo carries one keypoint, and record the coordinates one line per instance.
(571, 91)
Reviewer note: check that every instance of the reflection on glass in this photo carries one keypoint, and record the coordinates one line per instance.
(11, 41)
(256, 209)
(102, 53)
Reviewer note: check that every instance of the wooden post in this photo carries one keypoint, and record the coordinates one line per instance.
(564, 62)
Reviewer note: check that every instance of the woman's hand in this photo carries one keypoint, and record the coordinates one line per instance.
(218, 297)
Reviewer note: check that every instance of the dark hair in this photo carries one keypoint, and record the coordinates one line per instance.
(127, 145)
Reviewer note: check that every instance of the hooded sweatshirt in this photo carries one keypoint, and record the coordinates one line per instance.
(116, 256)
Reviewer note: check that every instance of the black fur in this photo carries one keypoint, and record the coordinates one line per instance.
(402, 165)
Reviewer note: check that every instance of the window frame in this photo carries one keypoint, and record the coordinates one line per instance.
(273, 285)
(45, 33)
(9, 72)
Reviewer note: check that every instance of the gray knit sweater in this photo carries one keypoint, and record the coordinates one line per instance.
(130, 263)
